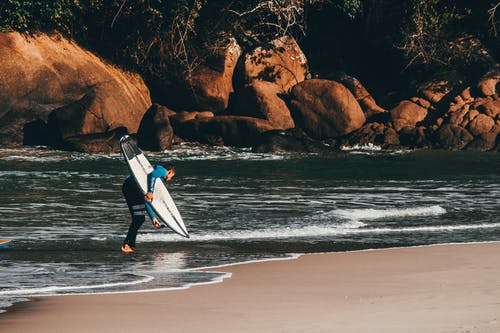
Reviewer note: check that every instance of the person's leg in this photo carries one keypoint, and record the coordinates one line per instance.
(135, 203)
(137, 222)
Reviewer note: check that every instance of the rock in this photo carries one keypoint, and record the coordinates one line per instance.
(422, 102)
(407, 114)
(292, 140)
(440, 86)
(457, 117)
(489, 106)
(212, 82)
(155, 132)
(415, 137)
(51, 73)
(236, 131)
(376, 134)
(480, 124)
(208, 86)
(94, 143)
(281, 62)
(487, 141)
(453, 137)
(489, 85)
(185, 115)
(365, 100)
(261, 99)
(466, 95)
(36, 133)
(325, 109)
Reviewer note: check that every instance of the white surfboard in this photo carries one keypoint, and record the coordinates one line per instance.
(162, 204)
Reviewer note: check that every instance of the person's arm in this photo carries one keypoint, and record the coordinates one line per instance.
(149, 210)
(158, 172)
(152, 215)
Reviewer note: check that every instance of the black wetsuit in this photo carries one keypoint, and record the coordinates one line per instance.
(135, 202)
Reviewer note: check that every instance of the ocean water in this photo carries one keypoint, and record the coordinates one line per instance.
(67, 217)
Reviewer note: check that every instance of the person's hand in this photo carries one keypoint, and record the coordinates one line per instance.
(148, 197)
(156, 223)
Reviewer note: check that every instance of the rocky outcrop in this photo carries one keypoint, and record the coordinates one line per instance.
(264, 100)
(325, 109)
(48, 78)
(281, 62)
(449, 114)
(474, 124)
(53, 92)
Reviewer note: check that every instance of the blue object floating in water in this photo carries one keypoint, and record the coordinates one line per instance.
(5, 242)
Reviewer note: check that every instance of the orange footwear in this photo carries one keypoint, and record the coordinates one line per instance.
(127, 248)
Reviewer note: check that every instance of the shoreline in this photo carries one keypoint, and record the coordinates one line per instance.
(227, 275)
(433, 288)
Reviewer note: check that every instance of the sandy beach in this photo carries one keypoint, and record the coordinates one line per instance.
(447, 288)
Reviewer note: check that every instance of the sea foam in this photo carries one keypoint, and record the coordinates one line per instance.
(374, 214)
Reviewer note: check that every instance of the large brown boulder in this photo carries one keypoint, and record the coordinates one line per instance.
(261, 99)
(453, 137)
(212, 82)
(40, 74)
(155, 132)
(236, 131)
(281, 62)
(407, 114)
(325, 109)
(487, 140)
(207, 86)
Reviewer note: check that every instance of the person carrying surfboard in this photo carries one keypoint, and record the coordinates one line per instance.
(138, 204)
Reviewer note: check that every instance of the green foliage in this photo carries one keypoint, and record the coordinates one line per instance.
(434, 32)
(164, 36)
(26, 15)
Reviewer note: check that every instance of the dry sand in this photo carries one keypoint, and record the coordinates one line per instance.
(450, 288)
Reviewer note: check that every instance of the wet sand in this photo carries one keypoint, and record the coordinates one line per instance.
(446, 288)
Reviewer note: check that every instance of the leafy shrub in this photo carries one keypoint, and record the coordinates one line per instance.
(28, 16)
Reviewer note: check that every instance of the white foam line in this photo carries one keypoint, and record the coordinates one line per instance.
(366, 147)
(319, 231)
(219, 279)
(37, 291)
(372, 214)
(431, 229)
